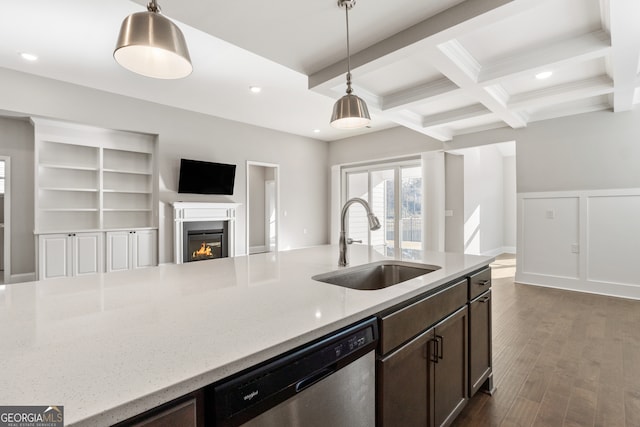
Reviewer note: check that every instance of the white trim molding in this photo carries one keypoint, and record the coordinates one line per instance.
(583, 240)
(202, 211)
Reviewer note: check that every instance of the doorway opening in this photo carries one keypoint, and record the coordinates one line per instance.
(480, 199)
(263, 206)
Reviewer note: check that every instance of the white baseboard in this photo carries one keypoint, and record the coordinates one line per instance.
(575, 284)
(509, 250)
(23, 277)
(257, 249)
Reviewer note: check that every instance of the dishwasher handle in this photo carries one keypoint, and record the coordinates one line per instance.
(314, 378)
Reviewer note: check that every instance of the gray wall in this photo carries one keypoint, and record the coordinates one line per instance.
(303, 171)
(394, 142)
(17, 142)
(591, 151)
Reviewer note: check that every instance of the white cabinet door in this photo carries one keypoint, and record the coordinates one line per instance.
(70, 254)
(55, 256)
(118, 250)
(145, 248)
(131, 249)
(87, 253)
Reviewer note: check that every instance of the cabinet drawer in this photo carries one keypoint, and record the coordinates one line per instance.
(407, 322)
(479, 283)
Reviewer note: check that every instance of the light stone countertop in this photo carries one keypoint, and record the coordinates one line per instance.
(111, 346)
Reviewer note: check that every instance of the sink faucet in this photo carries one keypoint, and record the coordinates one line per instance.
(374, 224)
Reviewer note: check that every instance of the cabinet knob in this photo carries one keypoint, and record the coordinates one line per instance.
(484, 282)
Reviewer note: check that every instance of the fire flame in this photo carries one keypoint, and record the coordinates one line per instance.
(203, 251)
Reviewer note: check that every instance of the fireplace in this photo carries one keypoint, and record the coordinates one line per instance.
(205, 240)
(195, 223)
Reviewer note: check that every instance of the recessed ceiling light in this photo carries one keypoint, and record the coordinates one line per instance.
(28, 56)
(255, 89)
(316, 131)
(544, 75)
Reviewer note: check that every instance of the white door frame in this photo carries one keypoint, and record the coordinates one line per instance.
(247, 204)
(7, 218)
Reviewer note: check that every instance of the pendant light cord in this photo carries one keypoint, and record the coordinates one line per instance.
(349, 90)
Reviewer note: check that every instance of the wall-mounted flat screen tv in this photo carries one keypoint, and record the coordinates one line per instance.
(198, 177)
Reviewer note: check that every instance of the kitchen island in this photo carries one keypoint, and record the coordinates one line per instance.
(110, 346)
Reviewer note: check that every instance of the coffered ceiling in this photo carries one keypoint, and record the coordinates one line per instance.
(439, 67)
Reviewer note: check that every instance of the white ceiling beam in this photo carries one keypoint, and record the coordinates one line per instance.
(420, 94)
(577, 49)
(452, 60)
(461, 19)
(570, 109)
(479, 128)
(625, 37)
(562, 93)
(413, 121)
(469, 112)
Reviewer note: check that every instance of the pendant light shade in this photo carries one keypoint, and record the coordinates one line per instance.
(350, 111)
(152, 45)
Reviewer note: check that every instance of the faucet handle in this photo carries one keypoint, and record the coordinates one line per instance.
(350, 241)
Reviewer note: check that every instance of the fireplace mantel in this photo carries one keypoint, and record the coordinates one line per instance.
(202, 211)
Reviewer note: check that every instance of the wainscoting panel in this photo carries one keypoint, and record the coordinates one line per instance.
(586, 241)
(550, 230)
(613, 236)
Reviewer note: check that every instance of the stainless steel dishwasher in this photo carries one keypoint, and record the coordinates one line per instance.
(330, 382)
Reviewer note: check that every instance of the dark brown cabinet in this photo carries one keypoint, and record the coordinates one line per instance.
(434, 353)
(480, 366)
(450, 368)
(424, 382)
(405, 384)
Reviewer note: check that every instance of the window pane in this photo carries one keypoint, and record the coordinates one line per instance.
(357, 186)
(411, 209)
(382, 204)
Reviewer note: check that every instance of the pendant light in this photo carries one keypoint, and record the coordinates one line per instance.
(350, 111)
(152, 45)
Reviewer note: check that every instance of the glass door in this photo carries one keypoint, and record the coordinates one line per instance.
(395, 195)
(357, 226)
(411, 209)
(382, 202)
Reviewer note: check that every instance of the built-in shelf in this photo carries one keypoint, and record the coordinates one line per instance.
(125, 191)
(69, 210)
(69, 167)
(86, 190)
(93, 179)
(126, 210)
(130, 172)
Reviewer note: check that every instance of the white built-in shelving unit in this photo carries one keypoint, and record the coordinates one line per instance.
(92, 180)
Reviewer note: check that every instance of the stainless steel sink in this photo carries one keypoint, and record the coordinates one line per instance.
(376, 275)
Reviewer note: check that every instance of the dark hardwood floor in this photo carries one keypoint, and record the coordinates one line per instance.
(560, 358)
